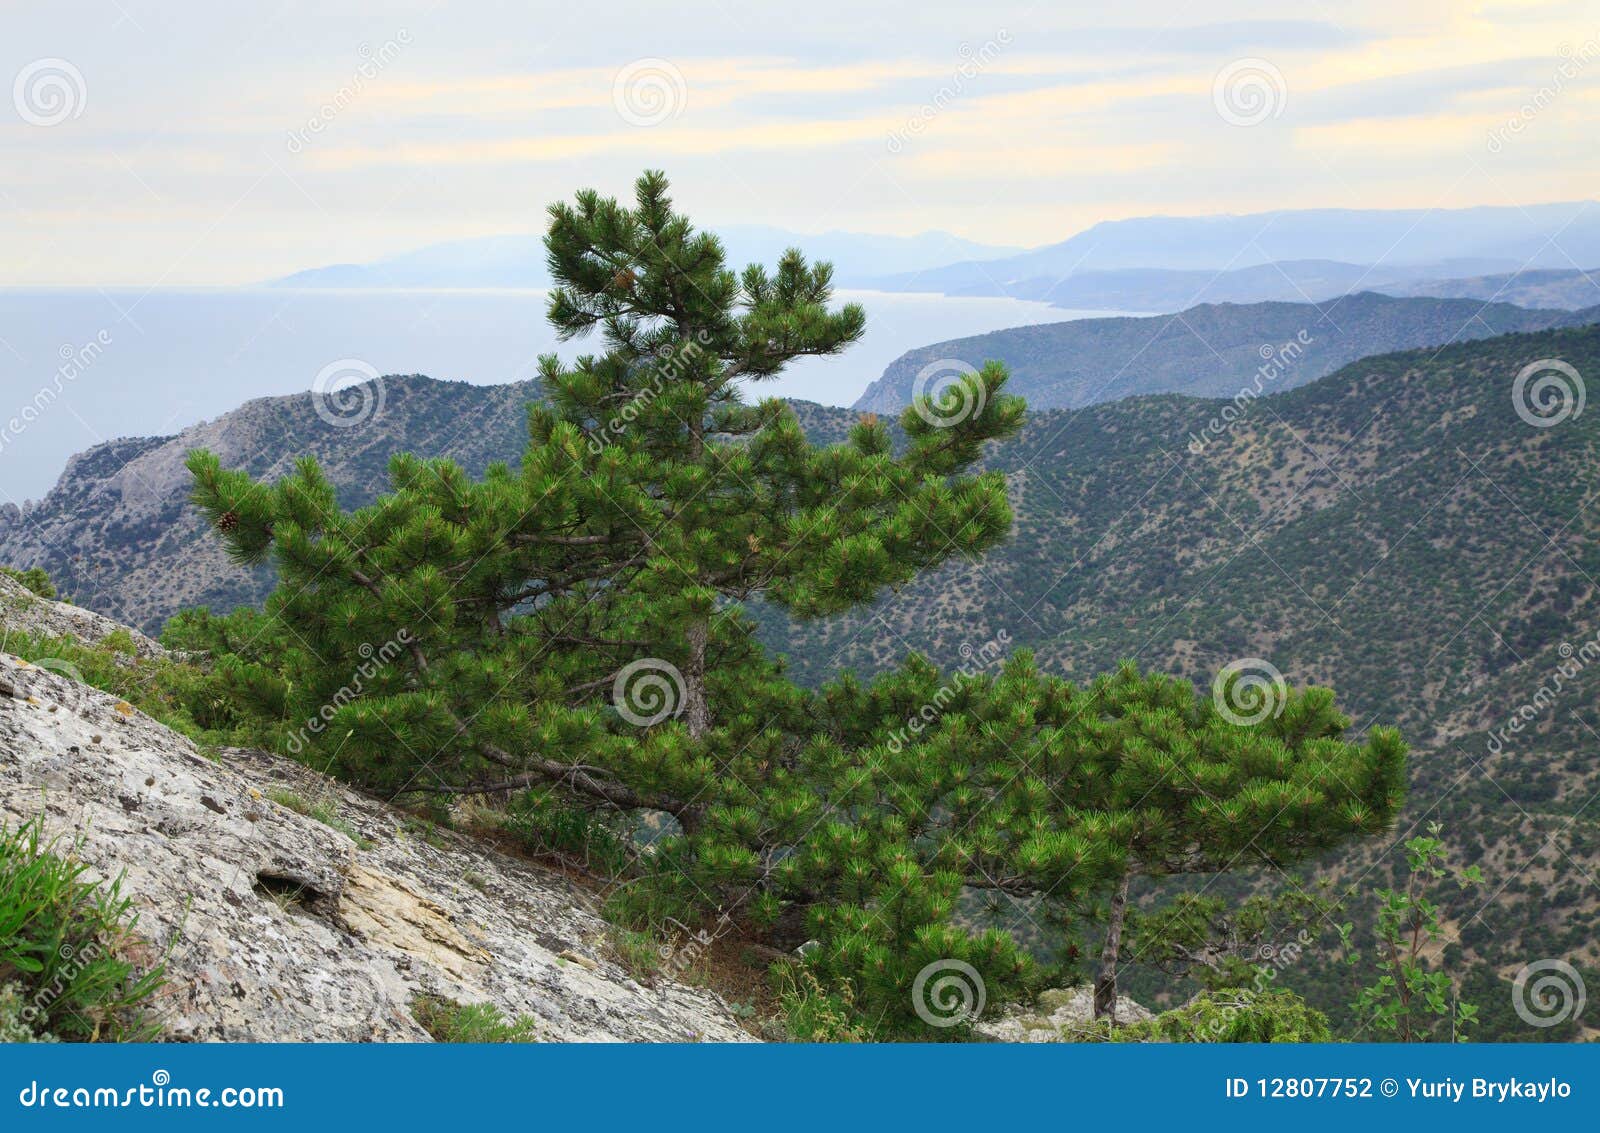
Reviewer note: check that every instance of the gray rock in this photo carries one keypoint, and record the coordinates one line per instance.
(282, 928)
(1059, 1012)
(22, 609)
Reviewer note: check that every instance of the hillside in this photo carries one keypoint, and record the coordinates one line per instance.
(118, 535)
(1214, 350)
(1570, 288)
(1395, 530)
(242, 864)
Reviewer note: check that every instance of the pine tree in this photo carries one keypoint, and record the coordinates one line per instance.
(1198, 791)
(571, 634)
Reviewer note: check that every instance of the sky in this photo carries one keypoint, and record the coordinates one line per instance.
(191, 143)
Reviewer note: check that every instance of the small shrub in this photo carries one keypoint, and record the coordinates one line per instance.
(451, 1022)
(543, 824)
(639, 953)
(812, 1014)
(1237, 1015)
(64, 947)
(34, 579)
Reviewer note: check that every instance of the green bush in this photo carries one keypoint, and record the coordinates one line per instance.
(65, 944)
(33, 578)
(1238, 1015)
(451, 1022)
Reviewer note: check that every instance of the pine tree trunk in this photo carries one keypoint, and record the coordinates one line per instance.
(696, 712)
(1105, 984)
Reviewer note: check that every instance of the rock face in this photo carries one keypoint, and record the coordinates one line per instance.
(22, 609)
(1052, 1020)
(284, 928)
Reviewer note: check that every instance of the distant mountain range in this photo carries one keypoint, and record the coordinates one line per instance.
(518, 260)
(1562, 236)
(1526, 256)
(1213, 350)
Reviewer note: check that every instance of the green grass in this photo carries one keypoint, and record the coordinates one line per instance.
(322, 810)
(66, 948)
(451, 1022)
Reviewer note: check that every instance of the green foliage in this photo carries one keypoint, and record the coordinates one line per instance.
(65, 948)
(34, 578)
(186, 696)
(1222, 942)
(813, 1014)
(1412, 999)
(575, 632)
(451, 1022)
(1235, 1015)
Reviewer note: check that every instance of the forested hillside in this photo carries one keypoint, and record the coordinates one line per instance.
(1214, 350)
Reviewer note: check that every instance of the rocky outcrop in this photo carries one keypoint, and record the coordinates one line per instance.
(279, 925)
(23, 610)
(1059, 1013)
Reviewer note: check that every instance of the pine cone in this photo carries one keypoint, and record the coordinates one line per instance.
(227, 521)
(623, 280)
